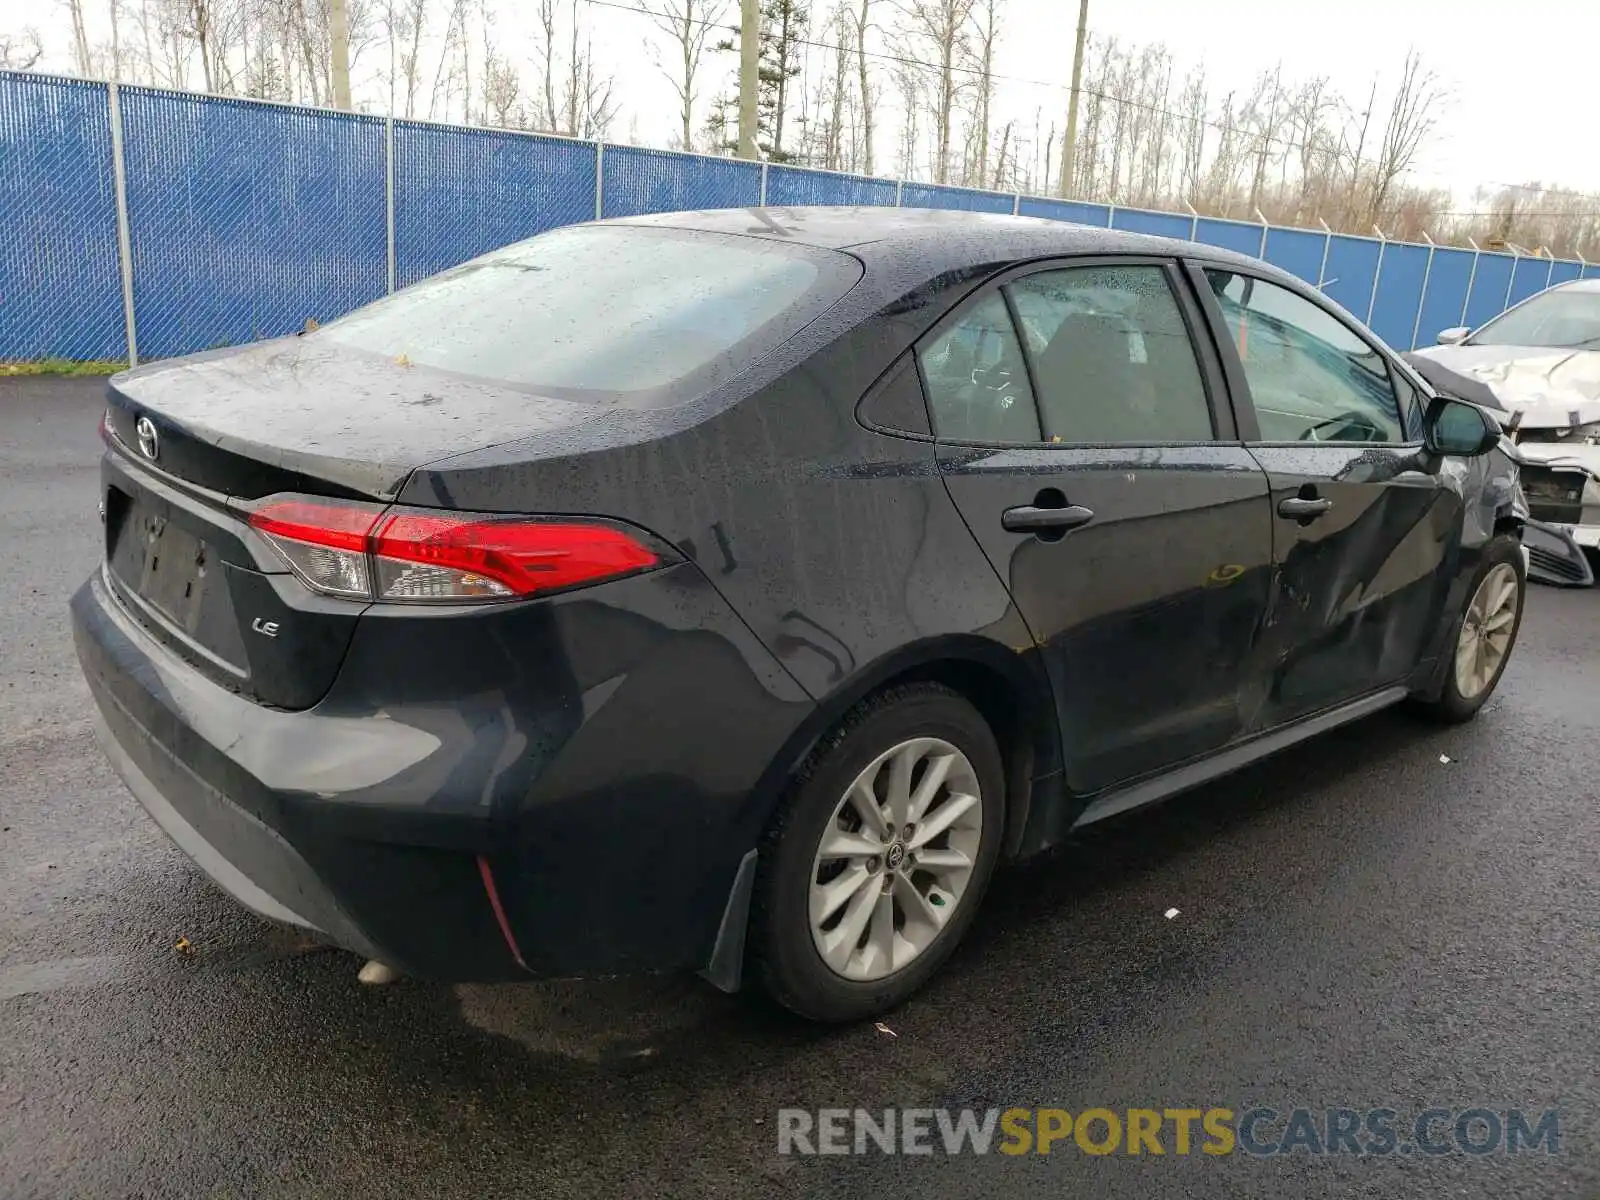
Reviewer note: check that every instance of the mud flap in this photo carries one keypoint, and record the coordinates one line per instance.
(1553, 557)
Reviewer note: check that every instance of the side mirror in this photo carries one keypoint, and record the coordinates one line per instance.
(1454, 335)
(1459, 429)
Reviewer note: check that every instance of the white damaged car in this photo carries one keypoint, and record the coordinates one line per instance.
(1539, 364)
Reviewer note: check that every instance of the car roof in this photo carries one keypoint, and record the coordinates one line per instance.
(940, 239)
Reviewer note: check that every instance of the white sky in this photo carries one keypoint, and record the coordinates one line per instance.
(1516, 73)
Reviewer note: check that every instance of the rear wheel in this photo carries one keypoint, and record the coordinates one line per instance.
(876, 865)
(1485, 633)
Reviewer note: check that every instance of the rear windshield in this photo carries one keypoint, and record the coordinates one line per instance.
(625, 315)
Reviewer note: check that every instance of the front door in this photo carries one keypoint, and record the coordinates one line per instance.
(1364, 540)
(1088, 446)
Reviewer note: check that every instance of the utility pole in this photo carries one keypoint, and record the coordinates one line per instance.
(749, 75)
(1069, 144)
(339, 43)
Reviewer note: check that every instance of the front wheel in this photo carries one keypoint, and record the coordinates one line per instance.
(875, 867)
(1486, 631)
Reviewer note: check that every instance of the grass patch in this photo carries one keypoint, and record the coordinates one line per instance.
(63, 366)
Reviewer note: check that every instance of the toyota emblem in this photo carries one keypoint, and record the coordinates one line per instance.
(149, 440)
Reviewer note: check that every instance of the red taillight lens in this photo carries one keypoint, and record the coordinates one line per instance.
(362, 551)
(442, 556)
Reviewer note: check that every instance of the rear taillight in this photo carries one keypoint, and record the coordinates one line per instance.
(368, 552)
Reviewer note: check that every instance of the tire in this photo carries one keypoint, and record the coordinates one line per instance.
(920, 724)
(1456, 703)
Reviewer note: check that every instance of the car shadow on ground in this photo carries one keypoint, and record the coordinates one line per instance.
(559, 1067)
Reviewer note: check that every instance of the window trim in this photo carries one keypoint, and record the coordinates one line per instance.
(1233, 367)
(1213, 379)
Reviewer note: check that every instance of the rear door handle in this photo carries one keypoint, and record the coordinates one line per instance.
(1300, 508)
(1027, 518)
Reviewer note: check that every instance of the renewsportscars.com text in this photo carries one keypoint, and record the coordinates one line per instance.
(1258, 1132)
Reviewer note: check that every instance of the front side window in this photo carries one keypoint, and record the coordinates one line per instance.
(1112, 359)
(976, 380)
(1562, 318)
(1312, 378)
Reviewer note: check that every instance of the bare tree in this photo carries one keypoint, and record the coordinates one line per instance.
(937, 32)
(908, 78)
(80, 36)
(502, 92)
(588, 103)
(1413, 113)
(985, 19)
(19, 51)
(1262, 119)
(1192, 102)
(866, 94)
(689, 24)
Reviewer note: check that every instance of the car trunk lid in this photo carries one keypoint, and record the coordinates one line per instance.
(195, 443)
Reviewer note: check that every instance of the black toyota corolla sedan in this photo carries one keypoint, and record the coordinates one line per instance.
(733, 591)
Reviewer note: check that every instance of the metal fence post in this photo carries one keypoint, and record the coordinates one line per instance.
(388, 197)
(1194, 222)
(1551, 272)
(1422, 300)
(1516, 261)
(899, 187)
(763, 197)
(1016, 205)
(1262, 251)
(124, 237)
(1472, 279)
(1383, 248)
(1327, 244)
(1111, 216)
(599, 180)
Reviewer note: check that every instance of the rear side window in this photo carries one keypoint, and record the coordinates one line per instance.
(976, 380)
(626, 315)
(1112, 359)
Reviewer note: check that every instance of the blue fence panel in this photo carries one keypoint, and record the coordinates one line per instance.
(1490, 287)
(1352, 266)
(795, 185)
(1394, 309)
(248, 218)
(1528, 278)
(1066, 210)
(1447, 293)
(933, 195)
(1233, 235)
(650, 181)
(1564, 272)
(1298, 251)
(1138, 220)
(1589, 271)
(60, 289)
(459, 193)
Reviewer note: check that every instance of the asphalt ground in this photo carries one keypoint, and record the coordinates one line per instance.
(1360, 925)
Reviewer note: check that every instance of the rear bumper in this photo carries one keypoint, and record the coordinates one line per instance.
(455, 831)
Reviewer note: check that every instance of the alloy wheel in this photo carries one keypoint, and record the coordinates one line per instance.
(1486, 631)
(895, 858)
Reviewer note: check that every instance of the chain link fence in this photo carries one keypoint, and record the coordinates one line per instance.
(60, 286)
(243, 219)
